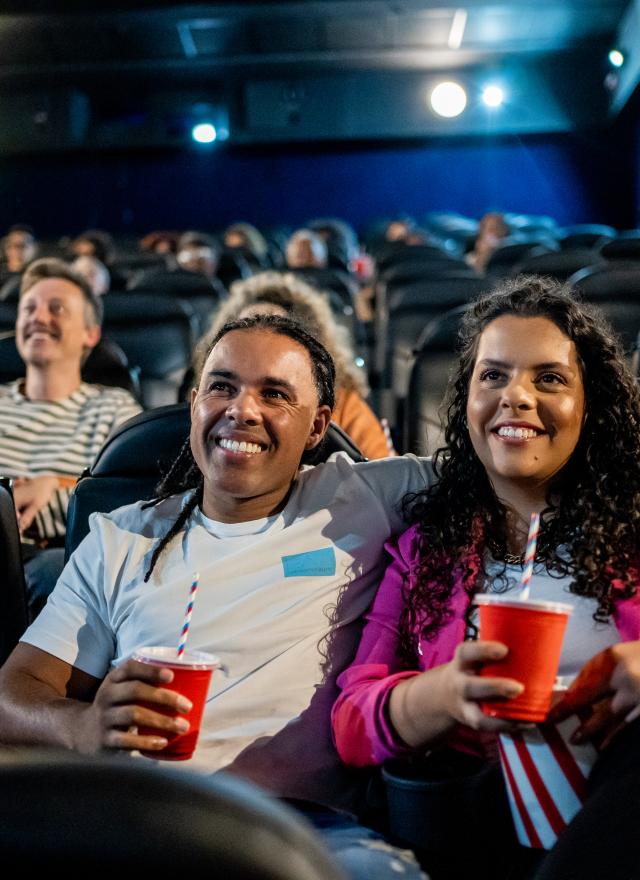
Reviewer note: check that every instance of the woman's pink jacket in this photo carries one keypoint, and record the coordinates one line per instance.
(361, 726)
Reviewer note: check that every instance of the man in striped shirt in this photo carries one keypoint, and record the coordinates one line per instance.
(52, 424)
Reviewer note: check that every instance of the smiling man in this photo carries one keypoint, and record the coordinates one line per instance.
(289, 557)
(52, 424)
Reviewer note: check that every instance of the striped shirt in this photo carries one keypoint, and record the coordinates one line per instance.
(60, 437)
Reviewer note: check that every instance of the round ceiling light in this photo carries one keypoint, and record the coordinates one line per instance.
(493, 96)
(448, 99)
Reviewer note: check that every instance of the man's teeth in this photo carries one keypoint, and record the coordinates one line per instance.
(236, 446)
(519, 433)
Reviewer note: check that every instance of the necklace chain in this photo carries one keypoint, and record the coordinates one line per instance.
(509, 558)
(514, 559)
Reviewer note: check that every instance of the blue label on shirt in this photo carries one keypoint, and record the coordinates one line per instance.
(314, 563)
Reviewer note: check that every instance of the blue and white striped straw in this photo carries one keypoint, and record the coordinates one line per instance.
(184, 635)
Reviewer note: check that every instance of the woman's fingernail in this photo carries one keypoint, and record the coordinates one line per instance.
(514, 690)
(184, 705)
(181, 725)
(159, 743)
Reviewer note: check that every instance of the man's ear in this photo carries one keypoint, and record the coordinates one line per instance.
(194, 394)
(93, 336)
(318, 427)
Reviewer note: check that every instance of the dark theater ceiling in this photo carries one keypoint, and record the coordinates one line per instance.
(37, 38)
(256, 60)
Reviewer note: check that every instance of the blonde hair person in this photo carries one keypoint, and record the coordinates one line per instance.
(285, 294)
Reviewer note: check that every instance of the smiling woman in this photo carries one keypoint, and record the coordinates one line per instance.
(543, 416)
(525, 406)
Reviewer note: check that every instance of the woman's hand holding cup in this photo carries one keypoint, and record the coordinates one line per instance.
(465, 688)
(430, 705)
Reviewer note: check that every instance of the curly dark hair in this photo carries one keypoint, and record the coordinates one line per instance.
(590, 528)
(184, 473)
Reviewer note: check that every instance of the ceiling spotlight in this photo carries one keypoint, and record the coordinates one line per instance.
(493, 96)
(616, 58)
(448, 99)
(204, 133)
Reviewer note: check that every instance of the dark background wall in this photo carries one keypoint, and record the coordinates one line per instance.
(572, 177)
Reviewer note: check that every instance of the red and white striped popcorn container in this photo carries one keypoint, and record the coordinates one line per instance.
(546, 777)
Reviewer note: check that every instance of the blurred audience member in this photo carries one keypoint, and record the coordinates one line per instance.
(398, 230)
(250, 241)
(491, 231)
(161, 242)
(95, 272)
(196, 261)
(19, 247)
(94, 243)
(284, 294)
(306, 250)
(198, 252)
(341, 240)
(404, 231)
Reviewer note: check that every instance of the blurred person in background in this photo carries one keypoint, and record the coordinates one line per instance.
(198, 252)
(491, 231)
(161, 242)
(94, 243)
(341, 240)
(286, 295)
(19, 247)
(250, 241)
(95, 272)
(306, 249)
(197, 255)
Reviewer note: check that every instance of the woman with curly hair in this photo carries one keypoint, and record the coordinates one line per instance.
(286, 295)
(543, 415)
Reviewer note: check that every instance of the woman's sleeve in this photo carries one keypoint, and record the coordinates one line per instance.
(362, 730)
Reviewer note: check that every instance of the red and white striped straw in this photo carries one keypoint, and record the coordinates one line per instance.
(184, 635)
(530, 553)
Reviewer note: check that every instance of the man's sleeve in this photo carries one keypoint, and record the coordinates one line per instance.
(74, 624)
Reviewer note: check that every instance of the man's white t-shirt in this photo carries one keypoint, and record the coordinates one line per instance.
(268, 595)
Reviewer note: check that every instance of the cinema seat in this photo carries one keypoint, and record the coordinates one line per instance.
(13, 602)
(157, 333)
(559, 264)
(434, 359)
(68, 814)
(614, 288)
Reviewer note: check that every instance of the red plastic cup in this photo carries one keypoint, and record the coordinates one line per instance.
(533, 632)
(191, 676)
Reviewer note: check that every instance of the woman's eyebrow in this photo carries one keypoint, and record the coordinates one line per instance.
(545, 365)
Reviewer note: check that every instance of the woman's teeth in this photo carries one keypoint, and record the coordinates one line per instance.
(518, 433)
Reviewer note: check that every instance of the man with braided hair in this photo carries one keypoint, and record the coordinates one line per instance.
(288, 556)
